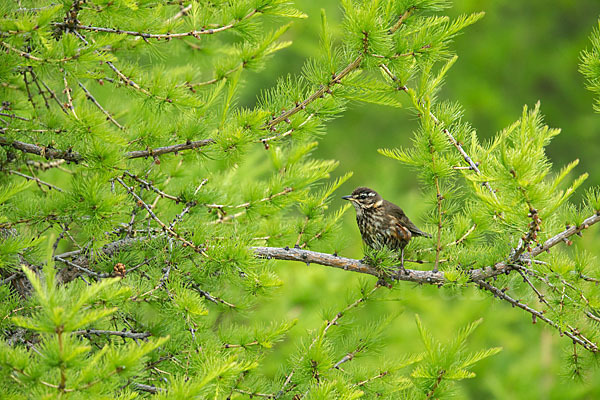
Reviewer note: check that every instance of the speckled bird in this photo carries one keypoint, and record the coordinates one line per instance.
(382, 223)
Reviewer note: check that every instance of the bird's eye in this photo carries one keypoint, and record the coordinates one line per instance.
(362, 195)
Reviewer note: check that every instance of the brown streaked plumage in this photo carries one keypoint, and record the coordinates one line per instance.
(382, 223)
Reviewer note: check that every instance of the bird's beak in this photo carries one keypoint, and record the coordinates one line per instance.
(348, 198)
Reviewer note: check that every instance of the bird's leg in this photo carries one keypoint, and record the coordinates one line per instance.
(402, 259)
(401, 270)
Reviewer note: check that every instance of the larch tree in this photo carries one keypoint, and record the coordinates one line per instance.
(143, 211)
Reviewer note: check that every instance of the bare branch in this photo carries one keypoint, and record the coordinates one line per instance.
(14, 116)
(80, 268)
(69, 155)
(572, 230)
(577, 338)
(195, 33)
(50, 91)
(169, 149)
(349, 264)
(436, 384)
(417, 276)
(124, 334)
(67, 90)
(48, 153)
(147, 388)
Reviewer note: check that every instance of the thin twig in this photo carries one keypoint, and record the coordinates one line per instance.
(393, 77)
(10, 278)
(165, 228)
(463, 153)
(50, 91)
(169, 149)
(245, 206)
(97, 104)
(436, 384)
(236, 346)
(350, 356)
(161, 284)
(401, 20)
(29, 95)
(336, 79)
(68, 91)
(265, 140)
(585, 343)
(34, 58)
(149, 186)
(181, 13)
(439, 198)
(321, 334)
(147, 388)
(81, 268)
(214, 80)
(38, 180)
(194, 33)
(14, 116)
(44, 166)
(210, 297)
(463, 237)
(362, 383)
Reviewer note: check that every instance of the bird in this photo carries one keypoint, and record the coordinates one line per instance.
(382, 223)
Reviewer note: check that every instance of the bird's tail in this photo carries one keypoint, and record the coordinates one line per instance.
(418, 232)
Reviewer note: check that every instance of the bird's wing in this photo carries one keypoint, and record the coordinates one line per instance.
(404, 221)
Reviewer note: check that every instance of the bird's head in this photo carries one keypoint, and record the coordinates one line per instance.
(363, 197)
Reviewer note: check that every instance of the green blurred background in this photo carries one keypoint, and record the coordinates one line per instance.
(521, 52)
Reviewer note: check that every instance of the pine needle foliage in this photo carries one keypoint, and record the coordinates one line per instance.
(590, 65)
(136, 192)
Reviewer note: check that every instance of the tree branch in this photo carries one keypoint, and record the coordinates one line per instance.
(69, 155)
(48, 153)
(36, 179)
(124, 334)
(323, 332)
(463, 153)
(109, 117)
(169, 149)
(417, 276)
(576, 337)
(147, 388)
(158, 36)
